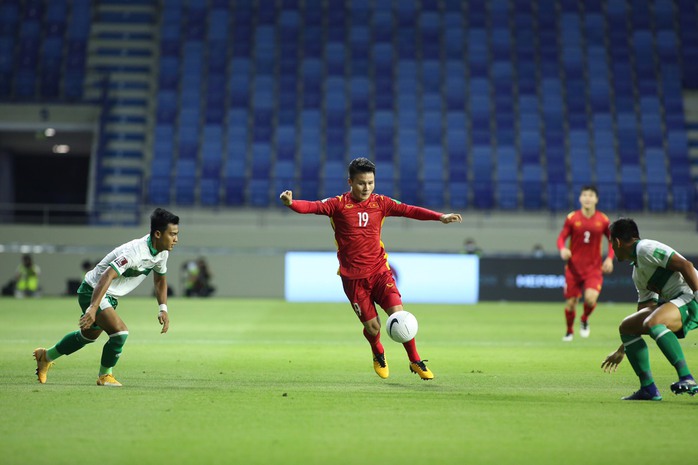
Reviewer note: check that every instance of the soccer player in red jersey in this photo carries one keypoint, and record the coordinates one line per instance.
(584, 269)
(357, 218)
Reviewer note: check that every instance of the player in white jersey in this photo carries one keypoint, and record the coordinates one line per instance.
(117, 274)
(667, 287)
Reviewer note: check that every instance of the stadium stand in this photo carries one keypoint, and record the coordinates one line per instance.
(489, 105)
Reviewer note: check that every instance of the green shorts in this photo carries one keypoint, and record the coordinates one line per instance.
(85, 297)
(689, 318)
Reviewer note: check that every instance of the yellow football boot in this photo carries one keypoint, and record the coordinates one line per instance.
(42, 364)
(108, 380)
(421, 369)
(381, 366)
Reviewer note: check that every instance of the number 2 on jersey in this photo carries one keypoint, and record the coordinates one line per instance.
(363, 219)
(587, 235)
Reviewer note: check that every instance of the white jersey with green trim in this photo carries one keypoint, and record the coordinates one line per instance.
(133, 261)
(652, 277)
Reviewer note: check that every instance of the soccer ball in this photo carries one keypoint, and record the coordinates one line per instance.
(402, 326)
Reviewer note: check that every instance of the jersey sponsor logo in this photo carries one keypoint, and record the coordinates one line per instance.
(121, 261)
(373, 205)
(389, 285)
(349, 205)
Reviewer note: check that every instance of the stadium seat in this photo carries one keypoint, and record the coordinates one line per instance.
(657, 197)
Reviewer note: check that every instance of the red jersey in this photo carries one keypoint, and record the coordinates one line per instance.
(357, 229)
(585, 240)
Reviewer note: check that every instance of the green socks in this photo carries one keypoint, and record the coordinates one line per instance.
(638, 354)
(639, 358)
(71, 342)
(112, 350)
(669, 345)
(105, 370)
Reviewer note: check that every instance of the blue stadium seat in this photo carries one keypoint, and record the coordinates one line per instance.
(210, 192)
(335, 56)
(234, 191)
(458, 194)
(631, 187)
(558, 197)
(483, 194)
(609, 197)
(159, 190)
(259, 192)
(483, 188)
(433, 194)
(532, 186)
(507, 195)
(683, 196)
(657, 197)
(185, 190)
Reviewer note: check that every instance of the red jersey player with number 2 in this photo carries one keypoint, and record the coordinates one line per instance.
(357, 218)
(584, 269)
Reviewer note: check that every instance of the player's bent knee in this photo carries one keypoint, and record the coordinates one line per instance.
(373, 328)
(650, 322)
(88, 337)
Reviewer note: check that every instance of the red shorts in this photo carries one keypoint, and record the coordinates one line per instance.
(379, 288)
(576, 283)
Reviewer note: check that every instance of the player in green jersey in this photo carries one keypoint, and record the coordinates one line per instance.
(117, 274)
(667, 287)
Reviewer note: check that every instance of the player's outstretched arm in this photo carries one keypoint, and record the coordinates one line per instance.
(451, 218)
(286, 197)
(318, 207)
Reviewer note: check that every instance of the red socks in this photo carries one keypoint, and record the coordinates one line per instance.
(588, 310)
(569, 316)
(377, 347)
(375, 342)
(411, 349)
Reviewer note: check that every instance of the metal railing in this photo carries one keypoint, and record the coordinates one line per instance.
(68, 214)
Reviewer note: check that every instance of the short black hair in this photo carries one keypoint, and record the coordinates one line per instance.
(361, 165)
(624, 229)
(160, 219)
(589, 187)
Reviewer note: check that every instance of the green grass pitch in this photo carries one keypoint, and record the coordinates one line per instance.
(269, 382)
